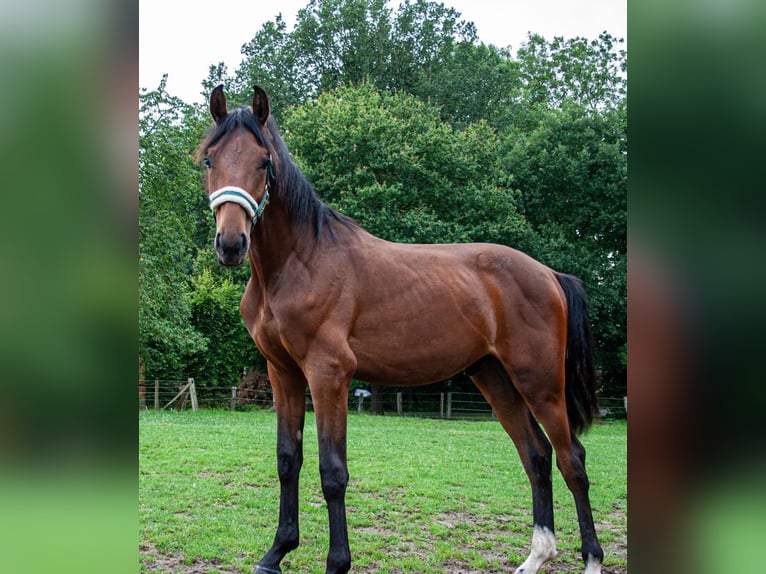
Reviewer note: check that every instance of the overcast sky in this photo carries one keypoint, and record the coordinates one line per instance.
(183, 39)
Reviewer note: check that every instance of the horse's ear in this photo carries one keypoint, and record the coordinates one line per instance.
(261, 107)
(218, 104)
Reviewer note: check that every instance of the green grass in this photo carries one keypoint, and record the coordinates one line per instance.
(427, 496)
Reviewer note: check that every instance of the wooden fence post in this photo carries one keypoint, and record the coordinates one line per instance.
(156, 395)
(441, 405)
(233, 405)
(449, 405)
(193, 395)
(399, 403)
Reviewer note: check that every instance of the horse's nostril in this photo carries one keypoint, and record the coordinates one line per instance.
(231, 247)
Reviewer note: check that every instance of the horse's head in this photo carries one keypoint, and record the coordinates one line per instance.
(239, 171)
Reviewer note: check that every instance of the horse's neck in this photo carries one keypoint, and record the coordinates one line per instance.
(273, 242)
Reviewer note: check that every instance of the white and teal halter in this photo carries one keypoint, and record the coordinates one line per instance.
(234, 194)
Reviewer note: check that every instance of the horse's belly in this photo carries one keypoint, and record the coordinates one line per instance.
(424, 330)
(416, 361)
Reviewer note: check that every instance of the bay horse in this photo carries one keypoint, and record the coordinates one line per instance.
(326, 301)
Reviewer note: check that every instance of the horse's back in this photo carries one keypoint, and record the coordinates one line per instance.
(461, 272)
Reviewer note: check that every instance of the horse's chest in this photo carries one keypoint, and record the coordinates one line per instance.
(260, 323)
(266, 334)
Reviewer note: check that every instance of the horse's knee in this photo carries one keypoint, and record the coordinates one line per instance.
(289, 451)
(289, 458)
(334, 475)
(289, 462)
(334, 486)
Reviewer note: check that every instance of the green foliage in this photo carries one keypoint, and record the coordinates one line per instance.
(591, 73)
(168, 207)
(390, 162)
(423, 49)
(215, 315)
(572, 170)
(342, 41)
(477, 82)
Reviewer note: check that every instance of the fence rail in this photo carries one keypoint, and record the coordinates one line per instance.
(411, 401)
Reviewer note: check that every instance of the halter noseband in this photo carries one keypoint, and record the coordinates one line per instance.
(234, 194)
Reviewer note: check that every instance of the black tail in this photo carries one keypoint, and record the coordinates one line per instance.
(580, 374)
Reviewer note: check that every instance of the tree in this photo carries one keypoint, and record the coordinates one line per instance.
(476, 82)
(424, 37)
(343, 41)
(591, 73)
(424, 49)
(169, 199)
(390, 162)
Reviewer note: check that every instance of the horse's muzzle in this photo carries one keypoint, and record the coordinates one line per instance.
(231, 247)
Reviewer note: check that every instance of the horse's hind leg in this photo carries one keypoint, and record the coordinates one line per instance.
(592, 553)
(547, 402)
(535, 453)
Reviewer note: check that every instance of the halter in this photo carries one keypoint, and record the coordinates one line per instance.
(234, 194)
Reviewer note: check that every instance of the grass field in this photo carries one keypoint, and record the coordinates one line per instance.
(425, 496)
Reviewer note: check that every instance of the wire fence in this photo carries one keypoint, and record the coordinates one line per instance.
(158, 394)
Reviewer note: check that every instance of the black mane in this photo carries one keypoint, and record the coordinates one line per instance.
(304, 207)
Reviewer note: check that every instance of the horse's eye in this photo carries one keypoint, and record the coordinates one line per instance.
(269, 167)
(208, 163)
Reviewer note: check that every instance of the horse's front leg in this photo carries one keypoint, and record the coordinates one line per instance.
(329, 392)
(290, 404)
(333, 470)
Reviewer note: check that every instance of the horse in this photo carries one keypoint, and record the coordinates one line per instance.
(327, 302)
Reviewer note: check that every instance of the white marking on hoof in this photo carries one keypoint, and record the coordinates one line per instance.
(543, 549)
(593, 566)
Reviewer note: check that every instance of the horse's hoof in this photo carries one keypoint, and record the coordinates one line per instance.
(263, 570)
